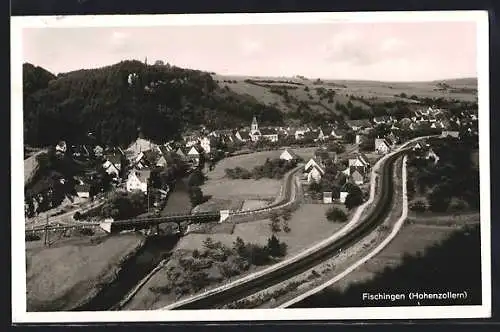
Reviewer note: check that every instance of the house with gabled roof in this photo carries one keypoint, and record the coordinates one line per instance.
(138, 179)
(289, 155)
(61, 147)
(381, 119)
(269, 134)
(382, 146)
(113, 165)
(243, 135)
(313, 171)
(181, 153)
(357, 177)
(300, 133)
(194, 154)
(358, 124)
(83, 190)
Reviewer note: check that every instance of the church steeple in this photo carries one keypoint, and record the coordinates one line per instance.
(255, 125)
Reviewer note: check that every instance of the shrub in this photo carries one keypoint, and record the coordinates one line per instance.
(418, 206)
(32, 237)
(336, 214)
(87, 231)
(77, 215)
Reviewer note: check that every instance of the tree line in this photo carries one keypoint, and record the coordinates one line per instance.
(117, 102)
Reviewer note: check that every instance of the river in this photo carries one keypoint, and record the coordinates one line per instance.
(154, 250)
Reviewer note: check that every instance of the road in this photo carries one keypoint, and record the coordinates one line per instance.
(396, 228)
(245, 287)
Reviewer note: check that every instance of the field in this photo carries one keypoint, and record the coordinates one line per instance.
(308, 226)
(228, 193)
(380, 91)
(62, 277)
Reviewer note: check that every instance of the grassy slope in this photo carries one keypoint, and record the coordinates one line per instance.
(382, 91)
(60, 278)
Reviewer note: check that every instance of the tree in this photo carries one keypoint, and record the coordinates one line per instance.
(196, 178)
(354, 198)
(336, 214)
(275, 248)
(195, 195)
(275, 223)
(208, 243)
(239, 246)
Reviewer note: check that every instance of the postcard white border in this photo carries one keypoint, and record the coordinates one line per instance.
(19, 314)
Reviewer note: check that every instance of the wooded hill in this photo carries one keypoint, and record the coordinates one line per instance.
(114, 102)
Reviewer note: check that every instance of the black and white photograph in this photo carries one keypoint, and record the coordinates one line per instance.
(223, 167)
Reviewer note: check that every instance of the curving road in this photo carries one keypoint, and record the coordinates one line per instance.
(221, 296)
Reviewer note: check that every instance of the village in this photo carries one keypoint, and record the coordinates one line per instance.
(130, 170)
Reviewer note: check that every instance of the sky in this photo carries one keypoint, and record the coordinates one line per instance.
(412, 51)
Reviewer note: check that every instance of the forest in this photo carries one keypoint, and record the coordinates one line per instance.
(112, 104)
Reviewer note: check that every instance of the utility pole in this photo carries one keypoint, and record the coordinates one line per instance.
(46, 237)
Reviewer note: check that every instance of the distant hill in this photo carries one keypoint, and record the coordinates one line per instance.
(115, 101)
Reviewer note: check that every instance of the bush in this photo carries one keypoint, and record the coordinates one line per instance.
(77, 215)
(336, 214)
(418, 206)
(87, 231)
(32, 237)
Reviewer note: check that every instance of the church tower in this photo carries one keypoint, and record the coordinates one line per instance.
(255, 125)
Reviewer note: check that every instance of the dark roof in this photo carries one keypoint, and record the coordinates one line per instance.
(82, 187)
(292, 153)
(268, 131)
(327, 130)
(115, 159)
(244, 134)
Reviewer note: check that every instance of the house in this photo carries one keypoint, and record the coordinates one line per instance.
(181, 153)
(314, 173)
(61, 147)
(381, 120)
(149, 158)
(337, 133)
(358, 139)
(113, 165)
(83, 190)
(312, 162)
(327, 197)
(382, 146)
(289, 155)
(452, 133)
(269, 134)
(357, 177)
(140, 145)
(138, 180)
(360, 161)
(205, 144)
(343, 196)
(98, 151)
(432, 155)
(243, 135)
(322, 155)
(300, 133)
(358, 124)
(325, 132)
(194, 154)
(417, 147)
(311, 135)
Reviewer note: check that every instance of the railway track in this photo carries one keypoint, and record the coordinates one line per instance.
(221, 297)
